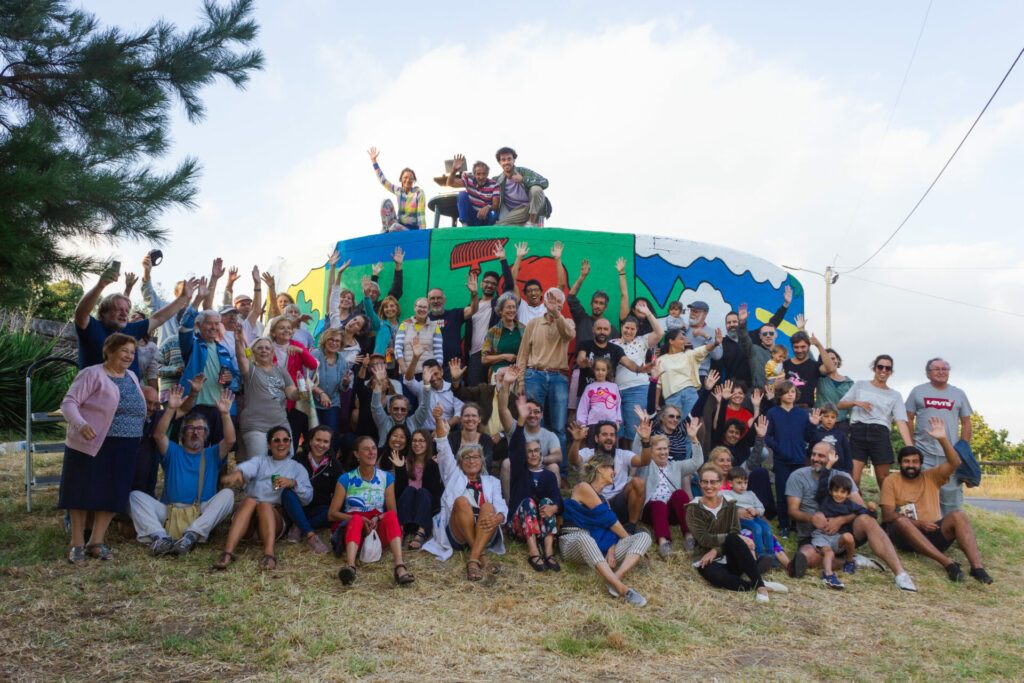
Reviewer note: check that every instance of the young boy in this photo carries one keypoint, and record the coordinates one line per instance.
(751, 513)
(773, 369)
(833, 498)
(674, 319)
(827, 431)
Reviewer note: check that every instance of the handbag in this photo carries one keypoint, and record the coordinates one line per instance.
(181, 515)
(371, 550)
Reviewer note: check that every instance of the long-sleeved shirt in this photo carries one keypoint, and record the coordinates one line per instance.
(681, 370)
(385, 422)
(403, 341)
(154, 303)
(545, 344)
(788, 434)
(599, 401)
(412, 205)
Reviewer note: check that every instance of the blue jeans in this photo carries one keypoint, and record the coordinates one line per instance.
(762, 530)
(306, 518)
(467, 213)
(551, 391)
(634, 396)
(684, 399)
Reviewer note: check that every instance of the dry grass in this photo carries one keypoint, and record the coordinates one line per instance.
(1008, 484)
(143, 618)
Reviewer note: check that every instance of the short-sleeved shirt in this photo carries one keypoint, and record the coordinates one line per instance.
(259, 475)
(831, 391)
(623, 461)
(181, 473)
(546, 438)
(362, 495)
(450, 325)
(265, 400)
(803, 484)
(922, 491)
(950, 404)
(887, 404)
(527, 312)
(610, 352)
(805, 376)
(480, 195)
(210, 392)
(91, 339)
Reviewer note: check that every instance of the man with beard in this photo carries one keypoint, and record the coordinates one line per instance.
(182, 464)
(113, 317)
(478, 204)
(596, 348)
(486, 316)
(803, 370)
(202, 353)
(757, 344)
(733, 363)
(440, 393)
(450, 320)
(801, 490)
(521, 192)
(550, 450)
(700, 334)
(910, 505)
(625, 495)
(598, 305)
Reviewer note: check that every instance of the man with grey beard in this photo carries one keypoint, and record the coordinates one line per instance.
(734, 364)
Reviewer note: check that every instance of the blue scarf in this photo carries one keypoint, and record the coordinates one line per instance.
(597, 521)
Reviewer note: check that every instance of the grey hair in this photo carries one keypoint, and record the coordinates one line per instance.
(467, 448)
(557, 292)
(503, 299)
(201, 316)
(928, 365)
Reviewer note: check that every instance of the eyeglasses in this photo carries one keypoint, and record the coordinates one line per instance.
(281, 439)
(195, 429)
(471, 457)
(767, 334)
(672, 417)
(399, 409)
(883, 368)
(710, 482)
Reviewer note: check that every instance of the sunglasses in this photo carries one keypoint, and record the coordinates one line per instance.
(281, 439)
(767, 334)
(883, 368)
(710, 482)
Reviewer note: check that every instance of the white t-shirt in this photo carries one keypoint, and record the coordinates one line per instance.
(527, 312)
(623, 460)
(887, 404)
(481, 323)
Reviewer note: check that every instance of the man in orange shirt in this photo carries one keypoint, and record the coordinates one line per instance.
(910, 506)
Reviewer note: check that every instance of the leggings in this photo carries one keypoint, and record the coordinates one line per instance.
(739, 561)
(661, 515)
(579, 546)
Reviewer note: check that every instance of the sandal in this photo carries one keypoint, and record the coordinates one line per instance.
(405, 578)
(537, 562)
(473, 571)
(419, 538)
(489, 566)
(223, 561)
(100, 551)
(77, 555)
(347, 575)
(269, 562)
(552, 563)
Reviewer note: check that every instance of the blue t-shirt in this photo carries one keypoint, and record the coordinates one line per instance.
(450, 323)
(181, 473)
(90, 341)
(362, 495)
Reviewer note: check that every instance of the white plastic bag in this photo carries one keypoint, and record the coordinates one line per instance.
(370, 552)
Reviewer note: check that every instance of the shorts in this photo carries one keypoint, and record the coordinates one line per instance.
(809, 540)
(458, 545)
(620, 506)
(935, 537)
(819, 539)
(870, 443)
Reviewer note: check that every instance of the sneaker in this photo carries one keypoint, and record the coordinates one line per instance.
(863, 562)
(689, 544)
(634, 598)
(614, 593)
(954, 572)
(347, 575)
(850, 567)
(184, 545)
(775, 587)
(981, 575)
(294, 534)
(764, 563)
(798, 566)
(905, 583)
(665, 549)
(315, 544)
(162, 546)
(832, 581)
(783, 533)
(761, 597)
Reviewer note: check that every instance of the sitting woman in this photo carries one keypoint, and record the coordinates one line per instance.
(264, 478)
(417, 485)
(534, 494)
(666, 484)
(412, 202)
(472, 509)
(723, 557)
(364, 501)
(323, 469)
(592, 533)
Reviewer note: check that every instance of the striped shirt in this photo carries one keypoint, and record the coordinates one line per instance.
(412, 206)
(480, 196)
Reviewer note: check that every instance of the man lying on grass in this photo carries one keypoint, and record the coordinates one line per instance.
(910, 508)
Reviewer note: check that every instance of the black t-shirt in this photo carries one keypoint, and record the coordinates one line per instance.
(805, 376)
(450, 324)
(613, 353)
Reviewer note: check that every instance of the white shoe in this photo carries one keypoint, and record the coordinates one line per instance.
(775, 587)
(761, 597)
(905, 583)
(863, 562)
(614, 593)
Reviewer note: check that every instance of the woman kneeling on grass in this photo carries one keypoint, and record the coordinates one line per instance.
(724, 557)
(264, 478)
(592, 533)
(472, 509)
(364, 501)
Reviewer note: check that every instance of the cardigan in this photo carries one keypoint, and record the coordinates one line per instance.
(678, 472)
(431, 482)
(709, 532)
(92, 398)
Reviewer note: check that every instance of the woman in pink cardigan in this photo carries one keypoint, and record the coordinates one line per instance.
(296, 358)
(105, 410)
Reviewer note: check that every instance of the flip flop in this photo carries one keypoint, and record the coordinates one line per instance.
(224, 561)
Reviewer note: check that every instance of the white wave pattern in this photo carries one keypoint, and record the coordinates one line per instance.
(682, 253)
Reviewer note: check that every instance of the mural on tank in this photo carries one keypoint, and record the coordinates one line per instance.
(661, 269)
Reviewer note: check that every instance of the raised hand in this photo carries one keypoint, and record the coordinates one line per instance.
(380, 373)
(556, 250)
(455, 368)
(787, 295)
(343, 266)
(499, 251)
(471, 283)
(717, 393)
(521, 405)
(256, 275)
(175, 397)
(334, 257)
(511, 375)
(522, 249)
(396, 459)
(367, 285)
(225, 401)
(217, 270)
(727, 388)
(761, 426)
(936, 428)
(578, 431)
(203, 288)
(712, 379)
(644, 428)
(437, 412)
(268, 279)
(833, 458)
(398, 256)
(233, 276)
(189, 288)
(769, 391)
(441, 428)
(693, 427)
(620, 265)
(195, 385)
(642, 309)
(129, 280)
(718, 336)
(755, 396)
(801, 322)
(815, 342)
(374, 153)
(815, 416)
(585, 268)
(417, 346)
(147, 267)
(458, 162)
(742, 313)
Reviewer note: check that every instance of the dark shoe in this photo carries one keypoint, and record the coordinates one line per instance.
(347, 575)
(955, 574)
(850, 567)
(77, 555)
(269, 563)
(798, 565)
(224, 561)
(832, 581)
(553, 566)
(981, 575)
(417, 541)
(537, 562)
(784, 533)
(184, 545)
(161, 546)
(100, 551)
(764, 563)
(402, 579)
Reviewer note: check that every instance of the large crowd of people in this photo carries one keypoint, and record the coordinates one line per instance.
(459, 429)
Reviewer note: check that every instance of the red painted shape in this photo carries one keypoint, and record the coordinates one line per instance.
(473, 253)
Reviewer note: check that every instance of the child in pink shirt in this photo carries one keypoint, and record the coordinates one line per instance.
(599, 401)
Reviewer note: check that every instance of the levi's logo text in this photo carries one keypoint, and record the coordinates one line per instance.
(938, 403)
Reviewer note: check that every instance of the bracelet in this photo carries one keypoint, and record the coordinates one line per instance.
(645, 444)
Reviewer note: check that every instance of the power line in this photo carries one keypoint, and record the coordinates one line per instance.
(938, 268)
(935, 296)
(944, 166)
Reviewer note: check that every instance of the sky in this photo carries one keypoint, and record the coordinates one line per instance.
(800, 132)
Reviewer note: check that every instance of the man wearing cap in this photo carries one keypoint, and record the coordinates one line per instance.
(248, 307)
(202, 353)
(701, 334)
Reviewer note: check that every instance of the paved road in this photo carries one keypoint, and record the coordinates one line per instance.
(998, 505)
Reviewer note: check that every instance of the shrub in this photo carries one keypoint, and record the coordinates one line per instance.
(18, 350)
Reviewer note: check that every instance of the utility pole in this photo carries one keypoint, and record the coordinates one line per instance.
(830, 277)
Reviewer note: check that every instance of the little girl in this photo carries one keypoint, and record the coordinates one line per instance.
(773, 370)
(600, 401)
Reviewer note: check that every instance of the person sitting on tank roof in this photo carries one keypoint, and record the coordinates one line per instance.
(478, 203)
(521, 200)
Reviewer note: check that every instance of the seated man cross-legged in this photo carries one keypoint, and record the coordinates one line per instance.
(626, 495)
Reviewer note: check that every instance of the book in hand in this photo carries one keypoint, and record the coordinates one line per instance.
(909, 510)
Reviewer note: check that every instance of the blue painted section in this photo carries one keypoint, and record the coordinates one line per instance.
(378, 248)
